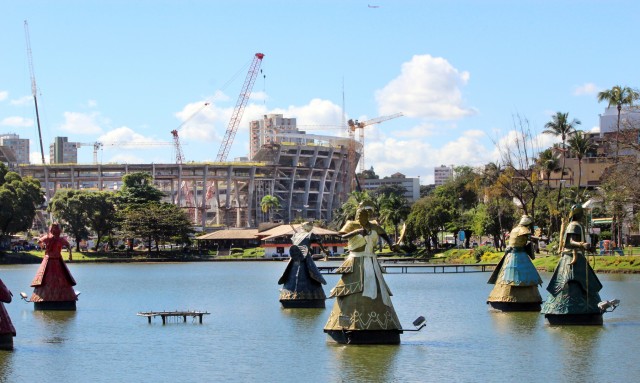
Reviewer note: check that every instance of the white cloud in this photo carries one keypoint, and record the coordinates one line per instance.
(24, 100)
(427, 87)
(81, 123)
(4, 95)
(595, 129)
(17, 121)
(587, 89)
(36, 158)
(419, 157)
(127, 138)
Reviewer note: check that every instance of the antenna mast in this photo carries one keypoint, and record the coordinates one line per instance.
(34, 88)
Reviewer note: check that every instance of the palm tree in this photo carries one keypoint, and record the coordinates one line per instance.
(560, 126)
(580, 145)
(268, 203)
(549, 163)
(393, 209)
(618, 96)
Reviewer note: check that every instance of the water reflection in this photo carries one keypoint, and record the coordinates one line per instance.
(516, 322)
(305, 318)
(577, 347)
(54, 324)
(365, 363)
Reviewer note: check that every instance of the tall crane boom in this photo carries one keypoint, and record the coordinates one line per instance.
(177, 146)
(229, 135)
(34, 88)
(353, 125)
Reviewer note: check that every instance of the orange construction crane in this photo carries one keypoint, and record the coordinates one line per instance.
(353, 125)
(239, 109)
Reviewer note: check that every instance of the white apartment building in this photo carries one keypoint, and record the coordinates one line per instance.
(19, 146)
(441, 174)
(411, 185)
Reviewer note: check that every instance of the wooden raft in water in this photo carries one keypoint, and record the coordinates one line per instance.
(173, 314)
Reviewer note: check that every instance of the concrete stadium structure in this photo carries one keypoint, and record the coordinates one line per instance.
(310, 180)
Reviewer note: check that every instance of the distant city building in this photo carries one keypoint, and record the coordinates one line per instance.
(19, 146)
(270, 129)
(61, 151)
(411, 185)
(609, 120)
(441, 174)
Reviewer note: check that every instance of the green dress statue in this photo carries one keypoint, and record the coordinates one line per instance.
(574, 287)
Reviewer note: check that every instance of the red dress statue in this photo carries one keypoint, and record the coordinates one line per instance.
(53, 283)
(7, 331)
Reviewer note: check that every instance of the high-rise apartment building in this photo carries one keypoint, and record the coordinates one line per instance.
(270, 130)
(441, 174)
(19, 146)
(61, 151)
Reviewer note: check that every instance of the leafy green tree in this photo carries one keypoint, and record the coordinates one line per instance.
(101, 216)
(138, 188)
(368, 174)
(428, 217)
(268, 204)
(619, 96)
(155, 222)
(387, 190)
(19, 201)
(71, 208)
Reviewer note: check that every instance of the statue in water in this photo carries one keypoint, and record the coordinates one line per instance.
(53, 283)
(515, 277)
(574, 287)
(301, 279)
(363, 312)
(7, 331)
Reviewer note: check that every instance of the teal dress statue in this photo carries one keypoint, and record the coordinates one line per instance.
(515, 277)
(574, 288)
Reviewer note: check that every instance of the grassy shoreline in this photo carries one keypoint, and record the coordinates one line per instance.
(601, 264)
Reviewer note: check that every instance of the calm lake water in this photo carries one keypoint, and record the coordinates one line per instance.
(249, 337)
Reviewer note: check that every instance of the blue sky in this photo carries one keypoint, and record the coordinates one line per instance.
(459, 71)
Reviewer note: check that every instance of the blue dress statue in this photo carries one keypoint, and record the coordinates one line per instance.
(515, 277)
(301, 280)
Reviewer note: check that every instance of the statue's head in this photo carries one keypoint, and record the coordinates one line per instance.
(365, 210)
(307, 226)
(576, 212)
(525, 221)
(54, 229)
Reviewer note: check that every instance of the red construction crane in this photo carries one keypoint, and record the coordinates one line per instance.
(223, 152)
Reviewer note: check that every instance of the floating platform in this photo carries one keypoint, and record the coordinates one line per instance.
(365, 336)
(174, 314)
(515, 306)
(592, 319)
(302, 303)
